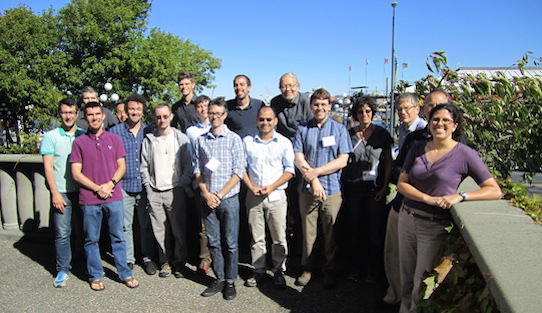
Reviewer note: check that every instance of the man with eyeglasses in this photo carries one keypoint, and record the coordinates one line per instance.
(321, 148)
(270, 165)
(219, 167)
(166, 172)
(98, 164)
(55, 148)
(291, 106)
(243, 109)
(132, 132)
(408, 110)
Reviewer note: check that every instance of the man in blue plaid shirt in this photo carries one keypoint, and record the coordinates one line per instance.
(132, 132)
(219, 166)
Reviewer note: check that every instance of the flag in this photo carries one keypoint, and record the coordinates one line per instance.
(386, 60)
(405, 65)
(366, 61)
(350, 68)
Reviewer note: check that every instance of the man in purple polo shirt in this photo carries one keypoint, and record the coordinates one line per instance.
(97, 163)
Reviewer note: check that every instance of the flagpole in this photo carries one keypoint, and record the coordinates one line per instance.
(393, 68)
(349, 79)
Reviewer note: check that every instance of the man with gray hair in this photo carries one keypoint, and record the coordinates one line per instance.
(291, 106)
(89, 94)
(408, 110)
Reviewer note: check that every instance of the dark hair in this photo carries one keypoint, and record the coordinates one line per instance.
(93, 105)
(456, 114)
(267, 107)
(220, 102)
(242, 75)
(185, 74)
(360, 103)
(201, 98)
(67, 101)
(136, 98)
(321, 93)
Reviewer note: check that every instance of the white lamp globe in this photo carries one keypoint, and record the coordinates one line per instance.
(108, 86)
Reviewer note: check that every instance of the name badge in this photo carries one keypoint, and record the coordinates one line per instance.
(212, 165)
(369, 175)
(328, 141)
(274, 196)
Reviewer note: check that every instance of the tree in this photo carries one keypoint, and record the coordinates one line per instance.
(26, 68)
(45, 57)
(502, 116)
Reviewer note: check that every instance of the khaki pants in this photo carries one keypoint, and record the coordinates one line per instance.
(311, 210)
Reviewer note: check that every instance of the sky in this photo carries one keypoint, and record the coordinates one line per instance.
(320, 40)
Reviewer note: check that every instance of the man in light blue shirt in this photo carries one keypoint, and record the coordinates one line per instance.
(321, 149)
(56, 147)
(270, 165)
(193, 132)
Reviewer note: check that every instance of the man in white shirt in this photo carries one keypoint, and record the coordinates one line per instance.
(270, 165)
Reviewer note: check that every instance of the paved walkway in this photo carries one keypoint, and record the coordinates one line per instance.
(27, 270)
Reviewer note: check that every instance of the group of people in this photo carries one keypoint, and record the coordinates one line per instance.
(279, 163)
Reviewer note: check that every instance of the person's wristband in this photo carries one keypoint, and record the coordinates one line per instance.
(463, 196)
(219, 197)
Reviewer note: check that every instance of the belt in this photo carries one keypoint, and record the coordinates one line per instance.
(425, 217)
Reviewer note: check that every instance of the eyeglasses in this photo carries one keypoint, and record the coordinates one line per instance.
(446, 121)
(218, 114)
(367, 111)
(405, 109)
(162, 117)
(291, 87)
(268, 119)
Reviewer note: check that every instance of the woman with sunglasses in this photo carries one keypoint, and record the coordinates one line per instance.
(428, 181)
(365, 183)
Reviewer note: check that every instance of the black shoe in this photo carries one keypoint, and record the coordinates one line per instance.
(383, 306)
(150, 267)
(131, 266)
(329, 280)
(280, 282)
(215, 287)
(178, 274)
(255, 279)
(229, 292)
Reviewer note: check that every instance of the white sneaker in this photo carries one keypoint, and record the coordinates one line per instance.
(60, 280)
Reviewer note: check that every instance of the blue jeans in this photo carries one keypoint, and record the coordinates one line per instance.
(222, 226)
(92, 222)
(63, 230)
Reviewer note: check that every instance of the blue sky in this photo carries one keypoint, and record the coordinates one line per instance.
(319, 40)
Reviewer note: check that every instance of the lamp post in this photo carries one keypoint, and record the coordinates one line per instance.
(109, 99)
(393, 67)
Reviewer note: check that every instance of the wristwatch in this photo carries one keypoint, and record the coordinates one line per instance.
(114, 182)
(463, 195)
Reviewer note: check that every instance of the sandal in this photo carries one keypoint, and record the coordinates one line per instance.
(131, 282)
(97, 285)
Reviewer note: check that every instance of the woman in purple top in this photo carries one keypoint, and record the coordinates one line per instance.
(429, 180)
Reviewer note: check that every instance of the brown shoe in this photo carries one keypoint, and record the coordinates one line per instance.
(304, 279)
(204, 266)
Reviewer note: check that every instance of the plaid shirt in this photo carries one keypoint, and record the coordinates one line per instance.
(131, 181)
(228, 149)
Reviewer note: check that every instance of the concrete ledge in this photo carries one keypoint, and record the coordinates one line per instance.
(507, 246)
(21, 158)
